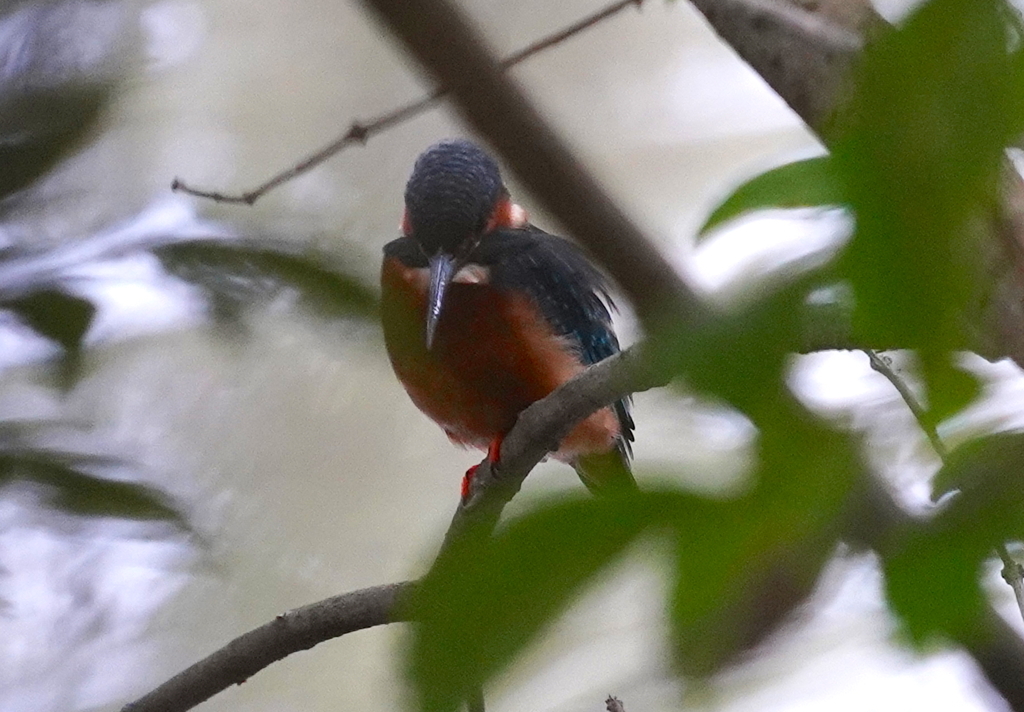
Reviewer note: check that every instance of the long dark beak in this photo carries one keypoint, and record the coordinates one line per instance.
(442, 269)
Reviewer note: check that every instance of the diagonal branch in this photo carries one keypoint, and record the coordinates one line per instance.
(301, 629)
(805, 57)
(290, 632)
(541, 427)
(542, 161)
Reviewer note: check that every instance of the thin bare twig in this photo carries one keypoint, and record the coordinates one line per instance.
(614, 704)
(1013, 572)
(882, 366)
(361, 131)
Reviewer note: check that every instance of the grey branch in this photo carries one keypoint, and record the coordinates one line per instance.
(803, 56)
(290, 632)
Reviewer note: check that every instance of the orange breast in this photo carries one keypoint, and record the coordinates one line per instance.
(493, 355)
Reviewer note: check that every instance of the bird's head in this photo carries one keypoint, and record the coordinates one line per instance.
(454, 197)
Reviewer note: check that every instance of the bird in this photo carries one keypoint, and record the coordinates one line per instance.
(483, 313)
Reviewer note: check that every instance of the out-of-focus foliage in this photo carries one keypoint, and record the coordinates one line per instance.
(68, 481)
(239, 273)
(917, 164)
(948, 553)
(810, 183)
(922, 168)
(63, 61)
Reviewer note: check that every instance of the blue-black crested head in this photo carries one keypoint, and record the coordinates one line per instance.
(451, 195)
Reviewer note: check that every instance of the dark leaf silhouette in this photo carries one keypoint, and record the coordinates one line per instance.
(71, 488)
(236, 273)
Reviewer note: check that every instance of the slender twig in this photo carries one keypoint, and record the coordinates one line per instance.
(361, 131)
(882, 366)
(1013, 572)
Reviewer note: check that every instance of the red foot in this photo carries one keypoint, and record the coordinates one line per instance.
(494, 450)
(467, 480)
(493, 454)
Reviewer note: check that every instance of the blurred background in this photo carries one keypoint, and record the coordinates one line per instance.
(299, 463)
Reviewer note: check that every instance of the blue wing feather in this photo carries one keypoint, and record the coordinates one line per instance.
(571, 293)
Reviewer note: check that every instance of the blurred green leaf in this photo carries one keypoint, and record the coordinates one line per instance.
(62, 317)
(932, 578)
(989, 474)
(740, 356)
(809, 183)
(74, 490)
(485, 599)
(936, 102)
(41, 127)
(55, 314)
(744, 565)
(237, 273)
(932, 584)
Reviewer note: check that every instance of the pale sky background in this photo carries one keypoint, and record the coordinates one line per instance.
(295, 450)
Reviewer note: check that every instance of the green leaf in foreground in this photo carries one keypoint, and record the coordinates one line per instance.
(935, 105)
(485, 600)
(745, 564)
(810, 183)
(932, 579)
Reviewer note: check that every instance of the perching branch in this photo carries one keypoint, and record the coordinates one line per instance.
(305, 627)
(290, 632)
(541, 427)
(361, 131)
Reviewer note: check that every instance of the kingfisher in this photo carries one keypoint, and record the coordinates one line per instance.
(484, 313)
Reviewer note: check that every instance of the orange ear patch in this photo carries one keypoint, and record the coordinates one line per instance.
(507, 214)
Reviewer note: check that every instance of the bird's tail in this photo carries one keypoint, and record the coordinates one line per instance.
(606, 472)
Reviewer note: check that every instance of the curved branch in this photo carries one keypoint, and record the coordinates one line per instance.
(302, 628)
(290, 632)
(541, 427)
